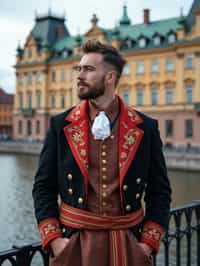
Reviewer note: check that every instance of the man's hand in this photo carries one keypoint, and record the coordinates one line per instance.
(146, 248)
(58, 244)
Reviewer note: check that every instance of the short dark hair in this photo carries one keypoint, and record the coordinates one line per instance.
(110, 54)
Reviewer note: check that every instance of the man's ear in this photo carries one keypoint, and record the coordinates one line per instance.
(111, 77)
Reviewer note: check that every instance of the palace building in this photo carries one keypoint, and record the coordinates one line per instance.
(161, 78)
(6, 114)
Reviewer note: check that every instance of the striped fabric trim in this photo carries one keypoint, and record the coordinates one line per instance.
(81, 219)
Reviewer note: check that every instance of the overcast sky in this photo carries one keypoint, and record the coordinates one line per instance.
(17, 20)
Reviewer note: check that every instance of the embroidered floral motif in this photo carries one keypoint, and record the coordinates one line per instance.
(78, 140)
(152, 234)
(49, 228)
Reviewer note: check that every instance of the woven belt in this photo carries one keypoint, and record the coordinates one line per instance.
(81, 219)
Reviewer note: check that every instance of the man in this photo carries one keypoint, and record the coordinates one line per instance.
(100, 157)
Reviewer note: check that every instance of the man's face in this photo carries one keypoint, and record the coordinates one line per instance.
(91, 76)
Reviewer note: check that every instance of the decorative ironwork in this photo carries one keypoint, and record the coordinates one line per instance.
(183, 234)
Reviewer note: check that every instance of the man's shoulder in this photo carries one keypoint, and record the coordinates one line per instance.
(59, 119)
(146, 118)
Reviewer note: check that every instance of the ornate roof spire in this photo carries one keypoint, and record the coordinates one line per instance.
(125, 20)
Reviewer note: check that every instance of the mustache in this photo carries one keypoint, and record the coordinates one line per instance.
(82, 83)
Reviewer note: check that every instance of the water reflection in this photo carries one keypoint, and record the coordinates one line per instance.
(17, 224)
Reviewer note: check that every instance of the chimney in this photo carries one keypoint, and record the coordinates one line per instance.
(60, 31)
(146, 16)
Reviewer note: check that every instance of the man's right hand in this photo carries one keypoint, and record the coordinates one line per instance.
(58, 245)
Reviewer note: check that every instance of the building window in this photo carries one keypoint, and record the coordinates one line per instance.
(140, 67)
(63, 101)
(169, 128)
(53, 101)
(157, 41)
(29, 128)
(188, 93)
(189, 61)
(171, 38)
(126, 95)
(188, 128)
(20, 78)
(38, 127)
(29, 53)
(39, 76)
(169, 65)
(63, 75)
(65, 53)
(20, 127)
(169, 95)
(126, 69)
(30, 78)
(140, 96)
(154, 96)
(21, 100)
(53, 76)
(154, 65)
(38, 100)
(29, 100)
(142, 42)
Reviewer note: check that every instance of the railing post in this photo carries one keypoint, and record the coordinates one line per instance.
(23, 256)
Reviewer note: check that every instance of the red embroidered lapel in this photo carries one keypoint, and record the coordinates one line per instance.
(130, 137)
(76, 134)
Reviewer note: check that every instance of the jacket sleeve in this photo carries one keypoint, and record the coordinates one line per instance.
(157, 195)
(45, 190)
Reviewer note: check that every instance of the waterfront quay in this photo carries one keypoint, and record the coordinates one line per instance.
(176, 158)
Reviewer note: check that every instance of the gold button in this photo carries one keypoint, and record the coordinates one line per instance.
(104, 169)
(104, 203)
(80, 200)
(125, 187)
(69, 176)
(112, 136)
(104, 194)
(103, 146)
(104, 161)
(70, 191)
(137, 196)
(138, 180)
(104, 177)
(103, 153)
(104, 186)
(128, 207)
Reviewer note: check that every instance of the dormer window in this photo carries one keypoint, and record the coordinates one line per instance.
(142, 42)
(157, 41)
(171, 38)
(128, 43)
(65, 53)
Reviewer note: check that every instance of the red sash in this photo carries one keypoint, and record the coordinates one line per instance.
(81, 219)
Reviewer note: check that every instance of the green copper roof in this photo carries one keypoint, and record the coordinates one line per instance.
(45, 29)
(67, 42)
(162, 27)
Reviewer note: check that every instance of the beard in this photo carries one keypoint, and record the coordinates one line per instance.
(91, 92)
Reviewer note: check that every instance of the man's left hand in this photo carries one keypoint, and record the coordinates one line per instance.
(146, 248)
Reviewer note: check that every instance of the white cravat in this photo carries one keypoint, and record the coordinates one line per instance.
(101, 126)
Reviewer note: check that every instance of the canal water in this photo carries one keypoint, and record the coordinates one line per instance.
(17, 222)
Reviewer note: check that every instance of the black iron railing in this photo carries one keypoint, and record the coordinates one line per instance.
(180, 246)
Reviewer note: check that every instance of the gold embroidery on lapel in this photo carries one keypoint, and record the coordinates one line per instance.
(130, 139)
(78, 140)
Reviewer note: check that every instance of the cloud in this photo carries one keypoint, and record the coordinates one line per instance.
(7, 80)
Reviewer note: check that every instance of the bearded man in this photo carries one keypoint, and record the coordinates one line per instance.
(100, 157)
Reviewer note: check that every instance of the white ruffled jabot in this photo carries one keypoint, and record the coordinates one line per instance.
(101, 126)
